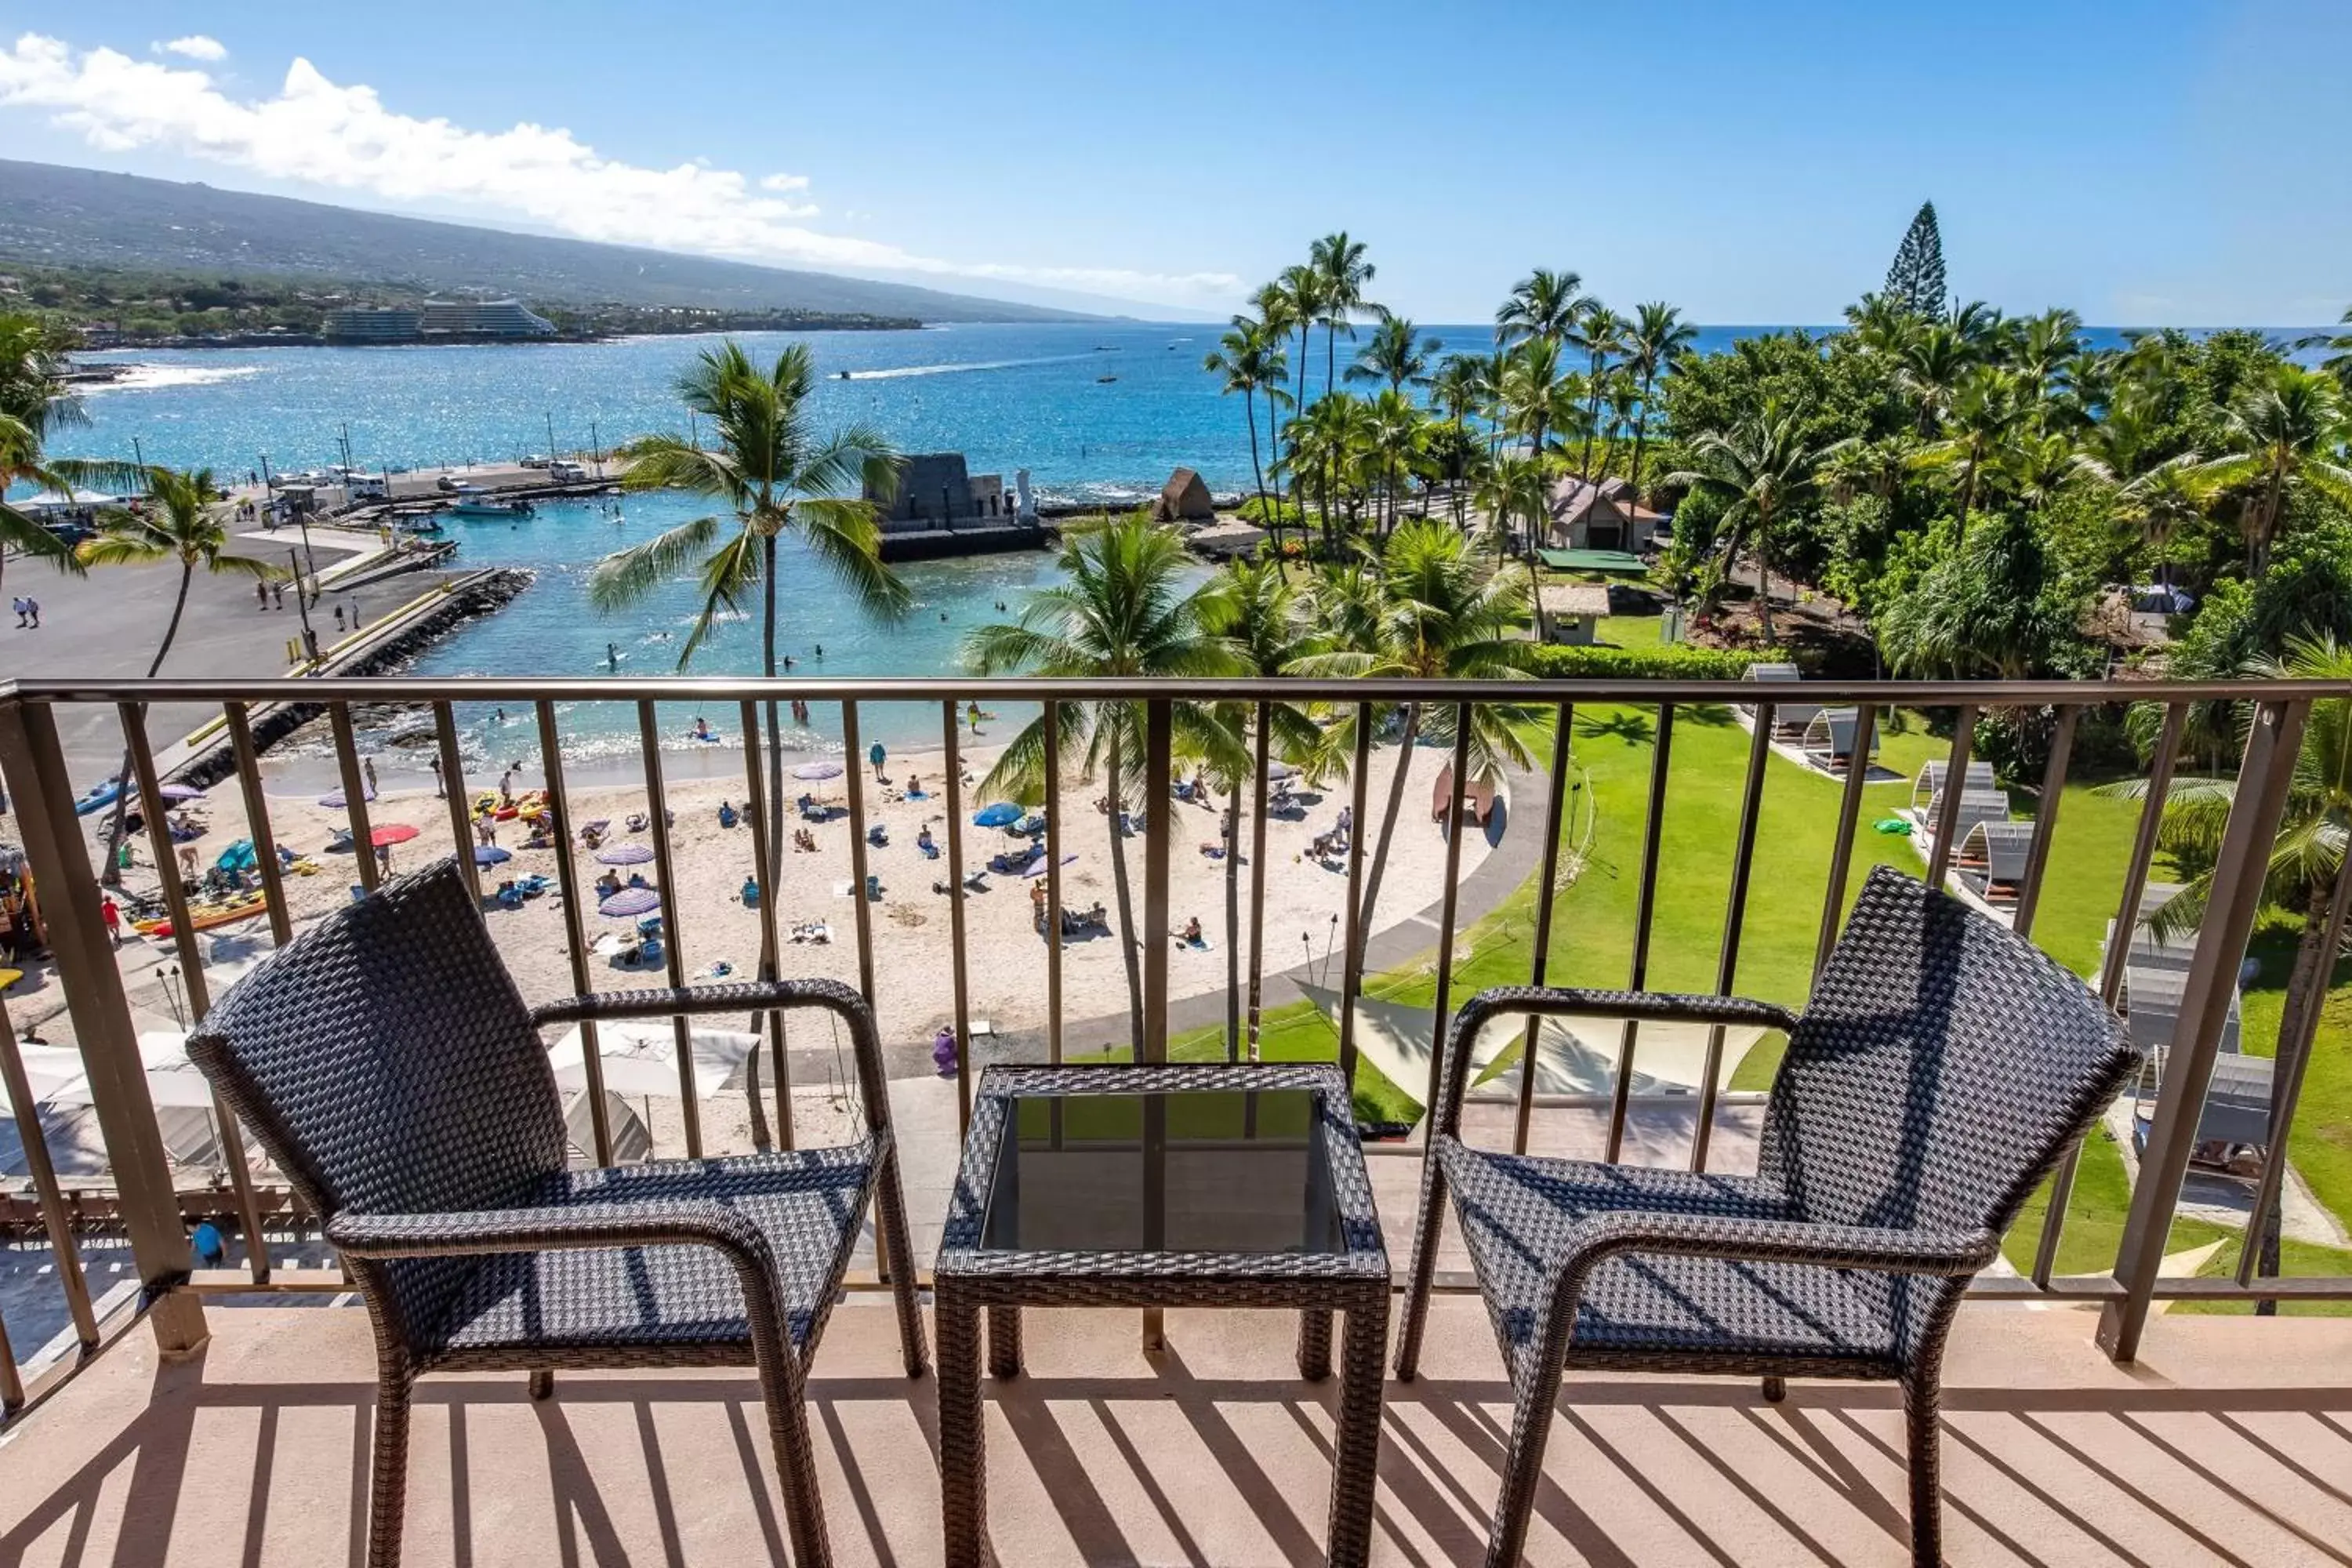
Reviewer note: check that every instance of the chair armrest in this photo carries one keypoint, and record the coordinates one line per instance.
(747, 996)
(683, 1222)
(1871, 1248)
(1569, 1001)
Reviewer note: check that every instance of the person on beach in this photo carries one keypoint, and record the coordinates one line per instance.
(819, 653)
(278, 595)
(613, 658)
(486, 831)
(876, 755)
(971, 717)
(367, 771)
(701, 728)
(506, 788)
(788, 661)
(261, 596)
(440, 786)
(112, 913)
(17, 604)
(33, 608)
(338, 617)
(944, 1043)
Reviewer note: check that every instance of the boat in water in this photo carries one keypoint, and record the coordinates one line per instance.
(474, 501)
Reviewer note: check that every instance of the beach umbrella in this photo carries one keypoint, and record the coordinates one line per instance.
(1280, 771)
(392, 833)
(641, 1059)
(334, 799)
(630, 902)
(492, 855)
(814, 772)
(1038, 867)
(625, 854)
(175, 792)
(47, 1070)
(1003, 813)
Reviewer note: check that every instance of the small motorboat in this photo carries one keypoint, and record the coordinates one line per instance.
(474, 501)
(1102, 379)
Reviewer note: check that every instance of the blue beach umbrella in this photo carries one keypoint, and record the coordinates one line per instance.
(335, 801)
(629, 903)
(625, 854)
(492, 855)
(816, 772)
(1003, 813)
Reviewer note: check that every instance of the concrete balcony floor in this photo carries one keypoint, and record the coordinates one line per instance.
(2230, 1442)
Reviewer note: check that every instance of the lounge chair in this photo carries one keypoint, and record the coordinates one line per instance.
(1789, 718)
(1927, 789)
(472, 1243)
(1829, 740)
(1991, 859)
(1941, 1069)
(631, 1141)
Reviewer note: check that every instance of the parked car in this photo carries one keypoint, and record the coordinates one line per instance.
(536, 460)
(566, 473)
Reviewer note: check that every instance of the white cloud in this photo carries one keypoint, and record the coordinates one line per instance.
(318, 133)
(194, 46)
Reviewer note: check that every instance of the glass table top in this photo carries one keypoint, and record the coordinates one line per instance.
(1186, 1171)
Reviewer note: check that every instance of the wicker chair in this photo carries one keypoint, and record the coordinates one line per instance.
(387, 1064)
(1941, 1069)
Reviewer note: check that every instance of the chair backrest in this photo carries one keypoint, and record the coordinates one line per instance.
(1941, 1069)
(385, 1060)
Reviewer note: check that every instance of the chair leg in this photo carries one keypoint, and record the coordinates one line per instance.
(388, 1481)
(543, 1383)
(963, 1462)
(1522, 1469)
(1775, 1390)
(1355, 1469)
(1921, 1397)
(1424, 1267)
(891, 1243)
(788, 1429)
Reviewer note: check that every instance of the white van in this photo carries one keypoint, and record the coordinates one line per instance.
(563, 473)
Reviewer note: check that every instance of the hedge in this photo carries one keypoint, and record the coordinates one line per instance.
(1666, 661)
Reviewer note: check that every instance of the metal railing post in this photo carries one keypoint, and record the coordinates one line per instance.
(1053, 720)
(567, 883)
(862, 916)
(1857, 775)
(764, 845)
(1351, 963)
(955, 917)
(256, 821)
(1645, 909)
(1735, 919)
(1448, 900)
(673, 939)
(2045, 822)
(2114, 962)
(35, 768)
(1555, 806)
(1259, 800)
(1947, 808)
(452, 795)
(1159, 825)
(43, 1174)
(2234, 901)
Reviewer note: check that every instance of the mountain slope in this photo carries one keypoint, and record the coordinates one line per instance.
(59, 216)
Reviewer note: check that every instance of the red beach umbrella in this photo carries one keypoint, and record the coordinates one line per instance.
(392, 833)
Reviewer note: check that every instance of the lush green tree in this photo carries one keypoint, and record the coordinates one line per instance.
(1916, 278)
(1426, 608)
(1345, 272)
(1657, 343)
(774, 474)
(1122, 611)
(1600, 331)
(34, 403)
(1251, 360)
(1543, 305)
(1884, 324)
(1302, 289)
(2286, 431)
(180, 521)
(2339, 364)
(1765, 472)
(1994, 606)
(1984, 420)
(1396, 354)
(1395, 431)
(1513, 484)
(1935, 364)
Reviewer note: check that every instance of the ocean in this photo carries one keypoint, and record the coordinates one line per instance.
(1097, 412)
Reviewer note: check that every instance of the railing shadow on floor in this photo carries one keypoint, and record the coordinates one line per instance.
(2041, 1473)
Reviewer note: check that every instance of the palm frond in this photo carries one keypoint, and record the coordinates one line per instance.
(844, 538)
(625, 576)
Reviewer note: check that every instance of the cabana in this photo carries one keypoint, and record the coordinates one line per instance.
(1927, 789)
(1829, 740)
(2236, 1118)
(1991, 859)
(1977, 807)
(1787, 718)
(2151, 1008)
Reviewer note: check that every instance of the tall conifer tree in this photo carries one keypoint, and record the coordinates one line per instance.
(1916, 278)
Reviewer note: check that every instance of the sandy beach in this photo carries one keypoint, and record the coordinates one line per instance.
(911, 922)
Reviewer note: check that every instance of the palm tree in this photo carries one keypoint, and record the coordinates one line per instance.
(2045, 345)
(1984, 418)
(1538, 401)
(178, 522)
(1513, 485)
(1393, 426)
(2304, 861)
(775, 476)
(1426, 608)
(1935, 361)
(1340, 261)
(34, 405)
(1883, 324)
(1269, 621)
(1543, 305)
(2160, 502)
(2290, 430)
(1396, 354)
(2339, 362)
(1123, 611)
(1624, 409)
(1276, 316)
(1302, 289)
(1251, 360)
(1656, 345)
(1600, 331)
(1768, 471)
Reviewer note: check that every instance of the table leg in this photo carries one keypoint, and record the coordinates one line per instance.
(1003, 1342)
(1314, 1344)
(963, 1460)
(1355, 1469)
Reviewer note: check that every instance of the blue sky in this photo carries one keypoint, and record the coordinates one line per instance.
(2174, 162)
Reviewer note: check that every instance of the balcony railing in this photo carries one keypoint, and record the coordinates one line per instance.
(142, 1203)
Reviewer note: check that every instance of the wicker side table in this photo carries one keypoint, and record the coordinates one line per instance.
(1176, 1185)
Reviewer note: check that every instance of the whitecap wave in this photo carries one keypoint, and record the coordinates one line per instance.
(950, 369)
(150, 377)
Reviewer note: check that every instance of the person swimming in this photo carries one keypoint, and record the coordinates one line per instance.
(702, 728)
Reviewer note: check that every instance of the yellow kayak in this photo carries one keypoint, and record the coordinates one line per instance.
(204, 917)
